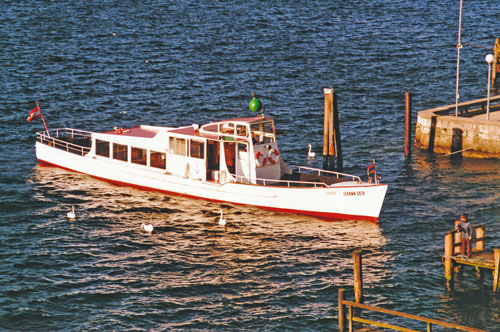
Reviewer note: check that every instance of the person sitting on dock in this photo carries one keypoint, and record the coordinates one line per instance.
(465, 227)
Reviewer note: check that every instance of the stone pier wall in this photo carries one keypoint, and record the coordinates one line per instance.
(469, 133)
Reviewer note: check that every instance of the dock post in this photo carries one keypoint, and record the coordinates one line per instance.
(327, 120)
(496, 271)
(479, 238)
(336, 130)
(448, 263)
(358, 275)
(407, 125)
(341, 310)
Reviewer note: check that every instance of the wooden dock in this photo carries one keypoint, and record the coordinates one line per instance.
(481, 259)
(359, 317)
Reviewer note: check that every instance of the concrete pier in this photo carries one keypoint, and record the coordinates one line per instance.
(468, 134)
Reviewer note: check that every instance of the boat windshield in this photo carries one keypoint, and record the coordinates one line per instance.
(263, 132)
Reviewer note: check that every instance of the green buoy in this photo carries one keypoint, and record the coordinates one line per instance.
(255, 104)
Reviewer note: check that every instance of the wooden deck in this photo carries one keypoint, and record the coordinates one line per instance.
(481, 259)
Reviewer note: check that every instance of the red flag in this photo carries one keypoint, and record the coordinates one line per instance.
(35, 114)
(371, 169)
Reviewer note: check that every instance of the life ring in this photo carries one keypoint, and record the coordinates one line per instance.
(276, 157)
(259, 163)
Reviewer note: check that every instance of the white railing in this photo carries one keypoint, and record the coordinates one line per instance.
(320, 172)
(296, 183)
(280, 183)
(55, 138)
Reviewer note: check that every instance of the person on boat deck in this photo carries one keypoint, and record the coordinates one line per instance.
(465, 227)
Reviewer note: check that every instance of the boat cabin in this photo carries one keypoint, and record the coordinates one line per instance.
(238, 150)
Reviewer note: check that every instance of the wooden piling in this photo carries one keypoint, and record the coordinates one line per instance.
(448, 263)
(407, 125)
(358, 275)
(327, 122)
(496, 271)
(479, 239)
(331, 132)
(341, 310)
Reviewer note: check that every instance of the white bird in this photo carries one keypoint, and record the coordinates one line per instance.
(148, 228)
(71, 214)
(311, 154)
(222, 221)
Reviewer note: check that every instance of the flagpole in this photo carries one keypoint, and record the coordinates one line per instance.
(375, 171)
(37, 106)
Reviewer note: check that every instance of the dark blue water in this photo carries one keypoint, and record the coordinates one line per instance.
(98, 64)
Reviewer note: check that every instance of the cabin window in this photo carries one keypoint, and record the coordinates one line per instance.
(120, 152)
(157, 159)
(177, 146)
(138, 156)
(241, 131)
(262, 132)
(102, 148)
(197, 149)
(227, 128)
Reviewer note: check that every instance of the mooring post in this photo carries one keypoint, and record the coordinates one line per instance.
(496, 271)
(407, 125)
(448, 263)
(336, 129)
(358, 275)
(480, 238)
(341, 310)
(327, 123)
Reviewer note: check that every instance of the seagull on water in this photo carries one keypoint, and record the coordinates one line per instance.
(71, 214)
(311, 154)
(222, 221)
(148, 228)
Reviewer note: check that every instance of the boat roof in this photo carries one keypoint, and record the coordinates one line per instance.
(145, 131)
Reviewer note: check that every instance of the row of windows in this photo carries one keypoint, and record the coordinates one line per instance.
(157, 159)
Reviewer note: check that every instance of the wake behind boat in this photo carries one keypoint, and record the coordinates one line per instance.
(235, 161)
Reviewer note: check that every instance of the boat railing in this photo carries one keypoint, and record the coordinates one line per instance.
(320, 172)
(62, 139)
(278, 182)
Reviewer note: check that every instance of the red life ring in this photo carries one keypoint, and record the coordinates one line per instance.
(259, 163)
(276, 157)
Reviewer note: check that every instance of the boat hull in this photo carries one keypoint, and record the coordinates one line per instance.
(346, 200)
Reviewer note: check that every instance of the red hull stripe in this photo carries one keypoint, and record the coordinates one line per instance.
(322, 215)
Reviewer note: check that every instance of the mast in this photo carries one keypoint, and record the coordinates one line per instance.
(459, 46)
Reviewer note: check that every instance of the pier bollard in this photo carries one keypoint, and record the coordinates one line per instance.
(407, 125)
(448, 263)
(341, 310)
(496, 271)
(358, 275)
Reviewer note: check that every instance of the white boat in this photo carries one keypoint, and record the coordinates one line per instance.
(236, 161)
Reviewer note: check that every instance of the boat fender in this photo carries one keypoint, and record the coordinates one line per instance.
(258, 161)
(276, 157)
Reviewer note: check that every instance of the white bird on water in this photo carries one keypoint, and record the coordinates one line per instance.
(222, 221)
(71, 214)
(311, 154)
(148, 228)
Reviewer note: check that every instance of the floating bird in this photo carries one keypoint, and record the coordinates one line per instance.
(222, 221)
(71, 214)
(311, 154)
(148, 228)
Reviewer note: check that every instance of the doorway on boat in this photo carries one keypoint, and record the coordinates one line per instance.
(213, 160)
(242, 162)
(230, 156)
